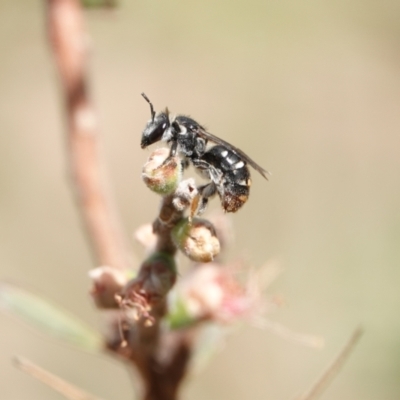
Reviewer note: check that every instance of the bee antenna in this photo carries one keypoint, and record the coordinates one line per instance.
(153, 114)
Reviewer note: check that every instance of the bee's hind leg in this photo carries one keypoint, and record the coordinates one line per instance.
(199, 203)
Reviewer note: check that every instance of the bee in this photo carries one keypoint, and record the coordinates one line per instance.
(224, 165)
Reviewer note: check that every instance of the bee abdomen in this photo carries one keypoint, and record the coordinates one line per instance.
(234, 185)
(234, 197)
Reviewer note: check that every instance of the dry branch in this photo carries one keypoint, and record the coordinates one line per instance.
(69, 43)
(68, 390)
(333, 369)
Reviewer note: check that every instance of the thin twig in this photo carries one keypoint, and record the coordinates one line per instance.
(69, 43)
(286, 333)
(333, 369)
(68, 390)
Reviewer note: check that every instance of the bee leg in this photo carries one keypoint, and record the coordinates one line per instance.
(173, 150)
(185, 163)
(206, 192)
(199, 203)
(172, 153)
(194, 206)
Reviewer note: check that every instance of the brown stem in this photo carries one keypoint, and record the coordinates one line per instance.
(69, 43)
(161, 356)
(163, 383)
(163, 225)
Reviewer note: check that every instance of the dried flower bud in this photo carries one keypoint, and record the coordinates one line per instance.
(107, 281)
(162, 173)
(184, 195)
(197, 239)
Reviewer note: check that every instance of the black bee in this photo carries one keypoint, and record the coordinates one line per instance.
(224, 165)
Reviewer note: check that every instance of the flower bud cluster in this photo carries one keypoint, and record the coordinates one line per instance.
(196, 238)
(209, 292)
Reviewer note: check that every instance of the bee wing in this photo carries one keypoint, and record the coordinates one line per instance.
(209, 136)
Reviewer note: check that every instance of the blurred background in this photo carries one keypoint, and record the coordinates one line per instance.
(310, 89)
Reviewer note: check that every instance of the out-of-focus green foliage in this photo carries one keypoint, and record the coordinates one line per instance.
(178, 315)
(48, 317)
(99, 3)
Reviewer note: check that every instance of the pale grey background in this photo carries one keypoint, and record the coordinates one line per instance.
(310, 89)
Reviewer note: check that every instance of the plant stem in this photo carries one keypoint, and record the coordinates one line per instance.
(69, 44)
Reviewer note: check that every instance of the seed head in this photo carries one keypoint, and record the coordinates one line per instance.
(162, 173)
(197, 239)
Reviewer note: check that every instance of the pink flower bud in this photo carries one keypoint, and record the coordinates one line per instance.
(212, 292)
(107, 282)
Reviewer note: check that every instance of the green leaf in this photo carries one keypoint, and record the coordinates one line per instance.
(47, 317)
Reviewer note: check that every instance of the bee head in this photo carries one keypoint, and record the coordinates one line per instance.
(155, 129)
